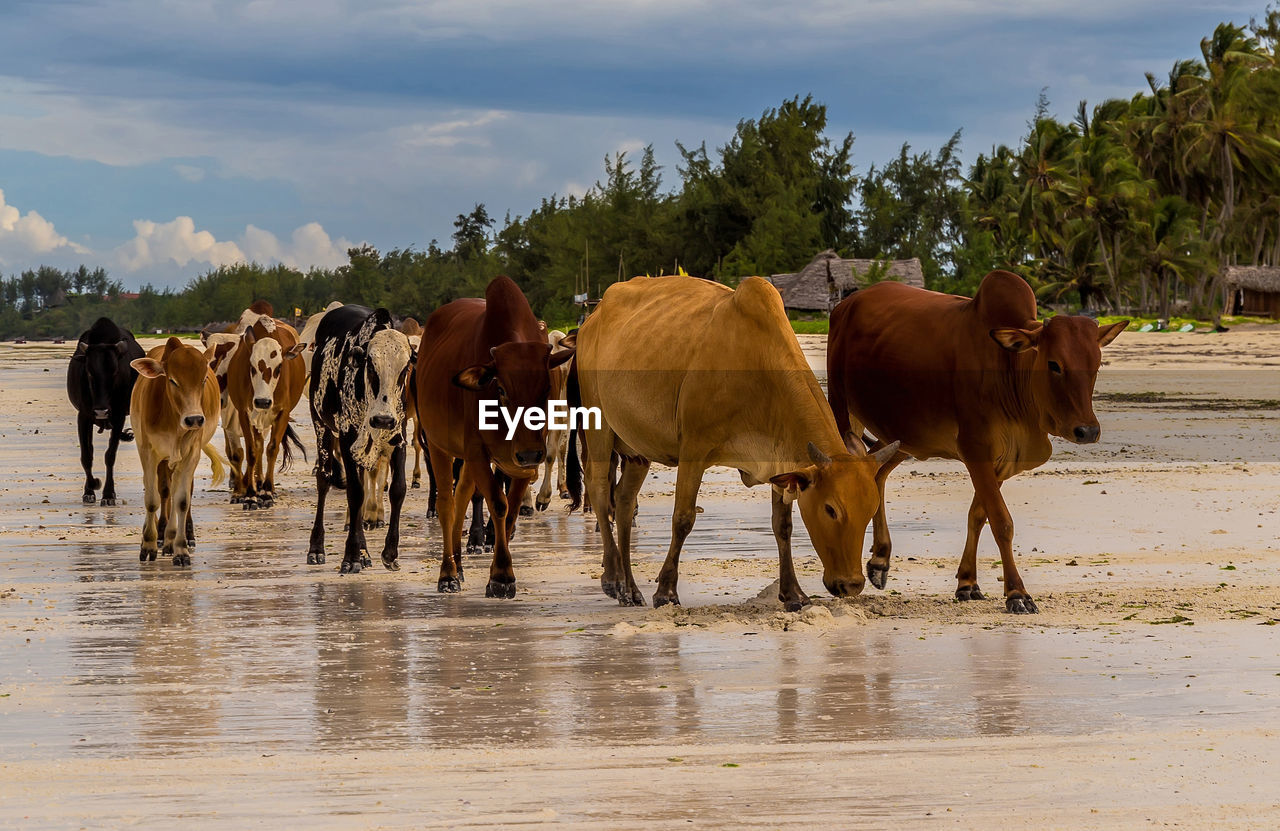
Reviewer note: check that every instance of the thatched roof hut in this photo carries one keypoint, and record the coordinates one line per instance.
(1255, 289)
(828, 278)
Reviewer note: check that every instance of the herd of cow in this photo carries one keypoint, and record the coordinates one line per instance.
(684, 372)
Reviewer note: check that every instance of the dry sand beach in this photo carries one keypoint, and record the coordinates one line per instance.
(252, 690)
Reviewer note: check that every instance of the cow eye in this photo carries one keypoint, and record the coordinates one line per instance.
(1055, 368)
(831, 512)
(501, 392)
(173, 381)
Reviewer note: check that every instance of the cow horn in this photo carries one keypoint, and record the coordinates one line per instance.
(886, 453)
(817, 456)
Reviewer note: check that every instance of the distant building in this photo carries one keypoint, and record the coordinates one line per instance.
(829, 278)
(1254, 290)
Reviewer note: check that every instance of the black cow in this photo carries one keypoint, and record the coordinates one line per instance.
(99, 383)
(358, 380)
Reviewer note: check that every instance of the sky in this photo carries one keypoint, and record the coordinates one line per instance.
(159, 139)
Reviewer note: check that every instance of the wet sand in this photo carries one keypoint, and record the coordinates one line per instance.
(254, 690)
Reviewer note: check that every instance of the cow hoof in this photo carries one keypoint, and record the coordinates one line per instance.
(610, 587)
(350, 567)
(970, 593)
(365, 559)
(661, 599)
(449, 585)
(431, 514)
(236, 500)
(415, 486)
(266, 502)
(525, 510)
(109, 501)
(541, 506)
(878, 575)
(631, 597)
(146, 554)
(315, 558)
(500, 589)
(390, 564)
(795, 605)
(566, 495)
(476, 548)
(182, 559)
(88, 498)
(250, 504)
(1021, 606)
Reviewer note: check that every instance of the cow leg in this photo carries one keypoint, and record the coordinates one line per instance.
(688, 482)
(597, 446)
(526, 496)
(634, 472)
(84, 424)
(432, 491)
(518, 490)
(790, 594)
(967, 574)
(479, 539)
(391, 546)
(502, 578)
(234, 442)
(987, 489)
(315, 551)
(464, 493)
(544, 490)
(248, 481)
(278, 428)
(167, 529)
(417, 461)
(881, 545)
(181, 481)
(113, 445)
(151, 500)
(562, 462)
(450, 563)
(356, 553)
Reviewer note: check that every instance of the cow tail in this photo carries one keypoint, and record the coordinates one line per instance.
(573, 476)
(217, 463)
(286, 455)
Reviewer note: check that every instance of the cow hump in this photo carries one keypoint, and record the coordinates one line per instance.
(1004, 299)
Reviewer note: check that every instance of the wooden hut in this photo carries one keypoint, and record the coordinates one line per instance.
(1254, 289)
(829, 278)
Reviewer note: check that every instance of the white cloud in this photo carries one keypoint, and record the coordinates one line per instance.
(25, 235)
(191, 173)
(177, 242)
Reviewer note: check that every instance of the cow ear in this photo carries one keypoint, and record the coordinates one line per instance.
(559, 358)
(1106, 334)
(475, 378)
(295, 350)
(383, 317)
(569, 341)
(357, 352)
(249, 337)
(1016, 340)
(148, 367)
(82, 349)
(795, 482)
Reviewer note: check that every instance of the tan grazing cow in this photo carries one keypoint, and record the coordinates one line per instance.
(265, 382)
(175, 413)
(692, 374)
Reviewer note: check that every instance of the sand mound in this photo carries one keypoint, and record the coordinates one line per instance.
(760, 613)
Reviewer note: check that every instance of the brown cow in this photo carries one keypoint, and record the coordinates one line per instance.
(175, 414)
(264, 382)
(483, 349)
(692, 374)
(976, 380)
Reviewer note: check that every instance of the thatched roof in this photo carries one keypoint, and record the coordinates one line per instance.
(828, 278)
(1256, 277)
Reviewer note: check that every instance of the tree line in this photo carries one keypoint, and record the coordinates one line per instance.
(1132, 205)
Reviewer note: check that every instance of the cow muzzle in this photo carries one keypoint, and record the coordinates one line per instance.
(845, 587)
(382, 422)
(530, 458)
(101, 414)
(1086, 433)
(192, 422)
(262, 403)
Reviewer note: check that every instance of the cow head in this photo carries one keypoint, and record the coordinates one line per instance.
(837, 497)
(518, 375)
(386, 371)
(1067, 351)
(103, 365)
(266, 356)
(185, 369)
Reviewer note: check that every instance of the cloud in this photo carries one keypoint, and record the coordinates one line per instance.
(178, 243)
(189, 172)
(24, 235)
